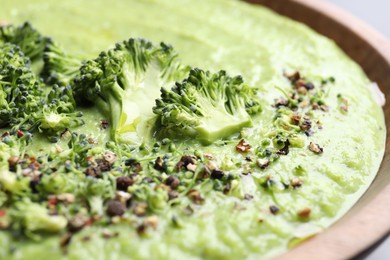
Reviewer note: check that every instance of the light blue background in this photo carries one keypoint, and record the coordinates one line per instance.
(377, 14)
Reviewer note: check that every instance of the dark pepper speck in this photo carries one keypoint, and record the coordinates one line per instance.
(248, 196)
(159, 164)
(274, 209)
(309, 86)
(184, 162)
(115, 208)
(123, 182)
(172, 181)
(217, 174)
(285, 150)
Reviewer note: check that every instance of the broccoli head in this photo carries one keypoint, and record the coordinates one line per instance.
(24, 104)
(58, 111)
(124, 81)
(205, 106)
(59, 67)
(37, 220)
(20, 90)
(30, 41)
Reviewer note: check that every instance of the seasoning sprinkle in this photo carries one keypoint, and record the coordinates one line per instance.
(115, 208)
(304, 213)
(274, 209)
(285, 150)
(243, 146)
(315, 148)
(173, 182)
(159, 164)
(217, 174)
(188, 162)
(248, 196)
(104, 124)
(195, 196)
(263, 163)
(123, 182)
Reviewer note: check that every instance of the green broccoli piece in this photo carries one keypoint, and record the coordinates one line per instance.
(30, 41)
(13, 146)
(59, 67)
(124, 81)
(96, 191)
(33, 218)
(20, 90)
(79, 146)
(58, 112)
(56, 183)
(206, 106)
(24, 102)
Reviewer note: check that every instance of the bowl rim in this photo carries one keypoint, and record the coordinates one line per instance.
(362, 226)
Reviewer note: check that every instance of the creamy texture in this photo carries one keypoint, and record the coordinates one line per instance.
(260, 45)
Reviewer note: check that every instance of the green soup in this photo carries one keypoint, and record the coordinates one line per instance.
(274, 202)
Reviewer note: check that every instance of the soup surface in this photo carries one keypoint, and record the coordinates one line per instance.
(311, 153)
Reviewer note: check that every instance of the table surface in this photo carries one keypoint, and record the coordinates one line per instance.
(375, 13)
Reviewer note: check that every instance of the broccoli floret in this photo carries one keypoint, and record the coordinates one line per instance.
(30, 41)
(24, 104)
(124, 81)
(59, 67)
(58, 112)
(13, 146)
(20, 90)
(96, 191)
(79, 146)
(206, 106)
(36, 220)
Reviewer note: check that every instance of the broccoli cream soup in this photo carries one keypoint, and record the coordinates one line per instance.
(156, 129)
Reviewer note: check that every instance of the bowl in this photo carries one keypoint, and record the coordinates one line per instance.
(369, 220)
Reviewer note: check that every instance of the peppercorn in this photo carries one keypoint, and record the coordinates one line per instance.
(123, 182)
(115, 208)
(217, 174)
(173, 182)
